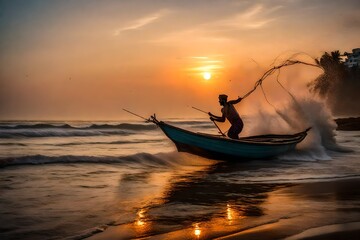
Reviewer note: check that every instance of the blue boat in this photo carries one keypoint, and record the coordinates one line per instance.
(221, 147)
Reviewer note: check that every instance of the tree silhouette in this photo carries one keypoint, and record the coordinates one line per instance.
(339, 85)
(334, 71)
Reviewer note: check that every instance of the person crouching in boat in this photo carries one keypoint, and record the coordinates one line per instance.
(229, 112)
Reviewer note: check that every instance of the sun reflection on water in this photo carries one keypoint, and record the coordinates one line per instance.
(197, 230)
(233, 215)
(141, 222)
(229, 213)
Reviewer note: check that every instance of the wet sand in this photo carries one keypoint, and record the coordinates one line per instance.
(317, 210)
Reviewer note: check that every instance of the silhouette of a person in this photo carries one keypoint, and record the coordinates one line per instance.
(229, 112)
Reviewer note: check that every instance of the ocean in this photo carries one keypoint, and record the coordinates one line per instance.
(125, 180)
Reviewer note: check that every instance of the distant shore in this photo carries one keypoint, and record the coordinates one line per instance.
(348, 124)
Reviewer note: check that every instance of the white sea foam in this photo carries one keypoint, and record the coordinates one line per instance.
(297, 115)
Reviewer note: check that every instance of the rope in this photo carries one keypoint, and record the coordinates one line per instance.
(277, 69)
(269, 72)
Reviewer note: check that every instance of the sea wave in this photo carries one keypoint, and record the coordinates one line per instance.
(318, 178)
(82, 126)
(14, 130)
(67, 130)
(122, 126)
(146, 159)
(139, 141)
(16, 133)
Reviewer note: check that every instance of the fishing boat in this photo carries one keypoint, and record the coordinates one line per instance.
(221, 147)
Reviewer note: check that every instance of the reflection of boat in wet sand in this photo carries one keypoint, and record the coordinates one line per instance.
(220, 147)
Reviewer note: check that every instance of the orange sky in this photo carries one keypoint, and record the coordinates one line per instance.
(86, 60)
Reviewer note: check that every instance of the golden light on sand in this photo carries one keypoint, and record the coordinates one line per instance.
(141, 219)
(197, 231)
(207, 75)
(140, 223)
(232, 215)
(141, 213)
(229, 213)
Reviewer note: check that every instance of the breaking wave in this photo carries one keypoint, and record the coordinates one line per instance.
(122, 126)
(105, 143)
(145, 159)
(58, 133)
(66, 130)
(11, 130)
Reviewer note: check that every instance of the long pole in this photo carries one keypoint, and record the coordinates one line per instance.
(135, 114)
(199, 110)
(211, 120)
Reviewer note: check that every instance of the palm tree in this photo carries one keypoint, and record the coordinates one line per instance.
(334, 72)
(336, 56)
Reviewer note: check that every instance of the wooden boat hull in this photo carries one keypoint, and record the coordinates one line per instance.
(219, 147)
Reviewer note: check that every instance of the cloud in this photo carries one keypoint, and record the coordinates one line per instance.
(199, 34)
(139, 23)
(252, 18)
(253, 11)
(220, 29)
(212, 63)
(257, 24)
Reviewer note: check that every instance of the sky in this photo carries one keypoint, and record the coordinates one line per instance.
(87, 59)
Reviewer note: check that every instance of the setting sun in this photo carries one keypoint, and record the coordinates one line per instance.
(207, 75)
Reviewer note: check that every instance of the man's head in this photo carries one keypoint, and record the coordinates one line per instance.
(222, 99)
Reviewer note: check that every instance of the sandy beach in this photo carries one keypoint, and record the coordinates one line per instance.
(318, 210)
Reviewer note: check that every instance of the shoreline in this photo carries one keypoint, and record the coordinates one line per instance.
(312, 210)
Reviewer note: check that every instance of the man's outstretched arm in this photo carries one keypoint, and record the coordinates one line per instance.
(235, 101)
